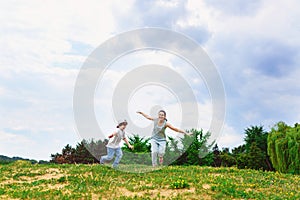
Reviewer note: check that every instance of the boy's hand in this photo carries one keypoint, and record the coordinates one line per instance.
(188, 134)
(131, 147)
(111, 136)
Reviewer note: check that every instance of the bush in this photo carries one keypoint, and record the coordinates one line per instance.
(136, 158)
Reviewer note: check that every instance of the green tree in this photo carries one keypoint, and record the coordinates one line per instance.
(82, 155)
(216, 156)
(68, 153)
(258, 135)
(227, 159)
(140, 144)
(85, 152)
(239, 150)
(173, 151)
(253, 159)
(194, 148)
(284, 148)
(141, 152)
(246, 156)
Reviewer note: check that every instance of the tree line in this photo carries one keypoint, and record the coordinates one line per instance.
(278, 149)
(8, 160)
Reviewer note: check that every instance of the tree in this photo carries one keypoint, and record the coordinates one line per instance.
(255, 149)
(173, 151)
(239, 150)
(217, 159)
(68, 154)
(254, 158)
(140, 144)
(86, 152)
(284, 148)
(82, 155)
(258, 135)
(140, 153)
(227, 159)
(194, 149)
(240, 155)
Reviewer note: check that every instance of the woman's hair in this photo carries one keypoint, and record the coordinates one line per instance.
(164, 113)
(124, 122)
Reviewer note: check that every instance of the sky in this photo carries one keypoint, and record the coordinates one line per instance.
(254, 45)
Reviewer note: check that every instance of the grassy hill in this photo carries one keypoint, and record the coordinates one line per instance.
(23, 180)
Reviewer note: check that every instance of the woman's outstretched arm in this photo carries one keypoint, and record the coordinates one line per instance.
(146, 116)
(177, 129)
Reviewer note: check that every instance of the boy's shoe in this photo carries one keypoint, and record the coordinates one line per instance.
(161, 160)
(101, 162)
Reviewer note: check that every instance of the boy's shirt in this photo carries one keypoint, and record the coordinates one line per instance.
(116, 140)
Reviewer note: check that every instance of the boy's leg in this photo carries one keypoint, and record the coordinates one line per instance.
(119, 155)
(161, 151)
(154, 151)
(108, 157)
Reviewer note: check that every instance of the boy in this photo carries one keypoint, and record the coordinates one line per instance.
(113, 146)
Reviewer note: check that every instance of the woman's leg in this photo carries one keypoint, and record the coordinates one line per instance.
(161, 151)
(108, 157)
(119, 155)
(154, 151)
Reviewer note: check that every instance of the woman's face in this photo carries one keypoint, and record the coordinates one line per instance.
(161, 115)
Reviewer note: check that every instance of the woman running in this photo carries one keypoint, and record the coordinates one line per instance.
(158, 139)
(113, 147)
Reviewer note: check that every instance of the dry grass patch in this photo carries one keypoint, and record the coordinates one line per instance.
(51, 173)
(164, 192)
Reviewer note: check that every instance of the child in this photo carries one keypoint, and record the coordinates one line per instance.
(113, 146)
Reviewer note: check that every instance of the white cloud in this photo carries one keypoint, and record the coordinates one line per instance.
(230, 138)
(43, 45)
(39, 147)
(14, 144)
(42, 50)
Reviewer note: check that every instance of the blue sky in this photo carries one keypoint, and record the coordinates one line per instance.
(254, 44)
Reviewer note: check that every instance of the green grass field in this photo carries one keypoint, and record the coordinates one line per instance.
(22, 180)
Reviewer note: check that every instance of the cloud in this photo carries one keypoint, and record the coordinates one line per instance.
(146, 97)
(13, 144)
(149, 13)
(235, 7)
(257, 54)
(43, 45)
(230, 138)
(24, 143)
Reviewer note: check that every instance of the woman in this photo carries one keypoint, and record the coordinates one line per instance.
(158, 139)
(113, 147)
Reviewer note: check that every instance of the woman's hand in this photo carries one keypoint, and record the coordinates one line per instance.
(130, 146)
(146, 116)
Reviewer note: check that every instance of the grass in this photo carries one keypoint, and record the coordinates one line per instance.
(21, 180)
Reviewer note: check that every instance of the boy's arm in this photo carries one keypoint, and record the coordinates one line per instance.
(112, 135)
(128, 144)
